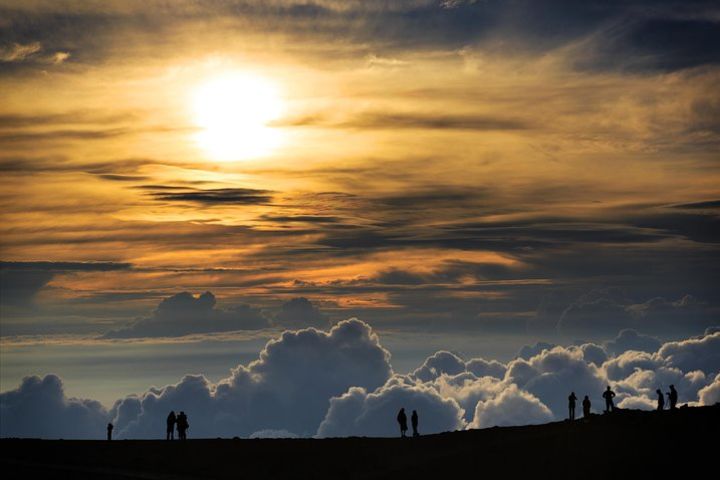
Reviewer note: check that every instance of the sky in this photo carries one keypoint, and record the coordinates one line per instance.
(184, 183)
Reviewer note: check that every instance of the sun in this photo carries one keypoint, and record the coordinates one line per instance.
(233, 112)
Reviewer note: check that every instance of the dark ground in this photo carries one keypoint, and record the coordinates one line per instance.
(625, 444)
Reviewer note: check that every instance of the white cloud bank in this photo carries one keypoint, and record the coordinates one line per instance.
(340, 382)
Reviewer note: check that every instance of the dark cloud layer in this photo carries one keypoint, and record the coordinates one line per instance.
(217, 196)
(21, 281)
(638, 35)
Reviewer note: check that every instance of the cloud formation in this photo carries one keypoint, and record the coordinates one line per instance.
(340, 382)
(184, 314)
(629, 339)
(287, 388)
(298, 313)
(217, 196)
(512, 407)
(361, 413)
(39, 408)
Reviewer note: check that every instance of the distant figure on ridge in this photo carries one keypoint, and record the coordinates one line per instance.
(608, 395)
(661, 400)
(171, 420)
(182, 426)
(673, 397)
(109, 431)
(586, 407)
(571, 405)
(402, 420)
(414, 421)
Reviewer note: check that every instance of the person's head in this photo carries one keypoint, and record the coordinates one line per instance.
(586, 397)
(572, 393)
(183, 413)
(414, 412)
(172, 412)
(402, 409)
(608, 387)
(672, 387)
(658, 391)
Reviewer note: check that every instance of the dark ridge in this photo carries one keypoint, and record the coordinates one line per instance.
(624, 444)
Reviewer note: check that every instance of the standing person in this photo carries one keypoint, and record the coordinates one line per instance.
(571, 405)
(171, 420)
(608, 395)
(414, 421)
(109, 431)
(402, 420)
(586, 407)
(661, 400)
(673, 397)
(182, 426)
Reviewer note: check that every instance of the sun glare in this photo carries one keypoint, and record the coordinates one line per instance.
(233, 112)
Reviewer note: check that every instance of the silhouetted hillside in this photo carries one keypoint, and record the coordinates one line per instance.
(623, 445)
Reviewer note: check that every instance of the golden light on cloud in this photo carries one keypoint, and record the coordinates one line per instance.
(234, 111)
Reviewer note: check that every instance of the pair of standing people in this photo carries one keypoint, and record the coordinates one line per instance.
(180, 422)
(672, 398)
(402, 420)
(585, 404)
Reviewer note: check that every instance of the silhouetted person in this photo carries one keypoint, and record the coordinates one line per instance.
(673, 397)
(608, 395)
(171, 420)
(571, 405)
(586, 407)
(109, 431)
(182, 426)
(661, 400)
(402, 420)
(414, 421)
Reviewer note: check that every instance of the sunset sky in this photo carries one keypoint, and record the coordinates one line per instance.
(462, 175)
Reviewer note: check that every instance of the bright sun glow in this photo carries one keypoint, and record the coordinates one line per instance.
(234, 111)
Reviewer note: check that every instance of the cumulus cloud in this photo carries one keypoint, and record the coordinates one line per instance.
(594, 314)
(39, 408)
(359, 413)
(486, 368)
(636, 403)
(299, 313)
(605, 312)
(184, 314)
(625, 364)
(629, 339)
(529, 351)
(340, 382)
(694, 354)
(512, 407)
(437, 364)
(468, 390)
(710, 395)
(644, 383)
(552, 374)
(287, 388)
(593, 353)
